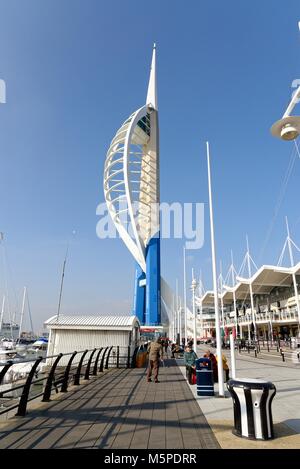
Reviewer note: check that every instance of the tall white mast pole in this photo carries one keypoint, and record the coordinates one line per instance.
(174, 319)
(250, 287)
(2, 312)
(221, 297)
(201, 308)
(213, 254)
(184, 296)
(22, 312)
(293, 275)
(180, 319)
(234, 297)
(193, 287)
(177, 312)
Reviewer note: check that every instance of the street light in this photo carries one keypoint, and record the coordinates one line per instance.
(193, 288)
(288, 127)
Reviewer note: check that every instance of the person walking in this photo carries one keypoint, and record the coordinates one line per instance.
(225, 366)
(190, 358)
(155, 351)
(214, 364)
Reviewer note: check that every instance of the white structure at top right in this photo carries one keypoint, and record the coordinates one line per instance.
(288, 127)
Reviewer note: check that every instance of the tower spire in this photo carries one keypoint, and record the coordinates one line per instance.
(152, 90)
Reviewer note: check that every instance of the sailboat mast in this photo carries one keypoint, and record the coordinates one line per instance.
(22, 312)
(2, 313)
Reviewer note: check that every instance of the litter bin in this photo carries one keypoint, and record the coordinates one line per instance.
(252, 399)
(204, 376)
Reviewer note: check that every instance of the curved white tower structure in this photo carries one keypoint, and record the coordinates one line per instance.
(131, 188)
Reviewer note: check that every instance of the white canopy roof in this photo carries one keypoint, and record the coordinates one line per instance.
(92, 322)
(263, 281)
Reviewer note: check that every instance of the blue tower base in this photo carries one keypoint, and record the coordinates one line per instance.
(147, 295)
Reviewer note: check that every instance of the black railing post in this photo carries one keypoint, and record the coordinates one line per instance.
(25, 394)
(96, 362)
(87, 370)
(102, 360)
(133, 361)
(78, 371)
(118, 356)
(48, 387)
(109, 352)
(128, 357)
(64, 386)
(4, 370)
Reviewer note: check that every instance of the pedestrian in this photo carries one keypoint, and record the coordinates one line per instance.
(155, 351)
(214, 364)
(173, 346)
(225, 366)
(190, 358)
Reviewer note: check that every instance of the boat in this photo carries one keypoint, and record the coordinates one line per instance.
(38, 348)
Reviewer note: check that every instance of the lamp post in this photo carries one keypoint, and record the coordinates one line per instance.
(288, 127)
(213, 255)
(184, 296)
(193, 288)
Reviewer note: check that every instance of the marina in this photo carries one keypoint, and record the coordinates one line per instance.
(149, 258)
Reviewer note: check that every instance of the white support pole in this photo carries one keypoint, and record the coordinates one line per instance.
(293, 275)
(201, 306)
(234, 297)
(184, 295)
(2, 312)
(232, 357)
(193, 288)
(174, 320)
(251, 291)
(217, 319)
(22, 312)
(180, 320)
(221, 297)
(177, 311)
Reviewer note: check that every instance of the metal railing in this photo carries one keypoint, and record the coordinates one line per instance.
(275, 349)
(80, 366)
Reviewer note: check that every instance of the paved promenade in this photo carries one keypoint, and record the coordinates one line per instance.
(118, 409)
(285, 406)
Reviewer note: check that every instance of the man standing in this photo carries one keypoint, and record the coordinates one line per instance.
(155, 351)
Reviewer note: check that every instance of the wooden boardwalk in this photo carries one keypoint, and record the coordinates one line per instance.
(118, 409)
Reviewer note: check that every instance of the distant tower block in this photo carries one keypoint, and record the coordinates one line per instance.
(131, 188)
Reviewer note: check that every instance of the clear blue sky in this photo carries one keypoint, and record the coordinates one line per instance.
(75, 70)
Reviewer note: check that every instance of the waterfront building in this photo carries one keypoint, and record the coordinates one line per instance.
(275, 313)
(69, 333)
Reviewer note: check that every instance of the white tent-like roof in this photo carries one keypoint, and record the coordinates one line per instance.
(92, 322)
(263, 282)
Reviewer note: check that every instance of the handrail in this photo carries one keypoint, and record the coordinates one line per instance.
(24, 398)
(56, 374)
(48, 387)
(96, 362)
(64, 387)
(106, 363)
(77, 374)
(87, 371)
(102, 360)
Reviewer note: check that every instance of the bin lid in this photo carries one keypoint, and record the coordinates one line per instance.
(250, 383)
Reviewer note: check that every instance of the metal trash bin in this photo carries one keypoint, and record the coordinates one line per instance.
(204, 377)
(252, 399)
